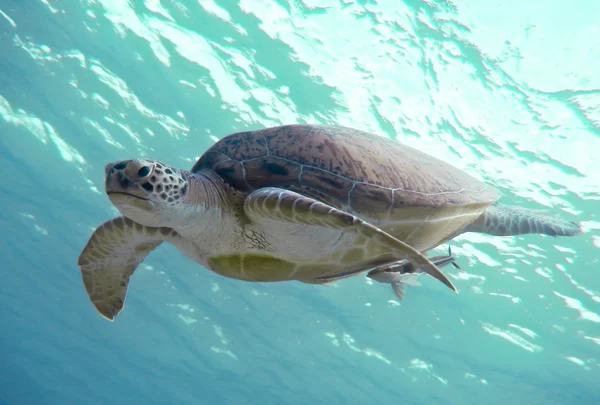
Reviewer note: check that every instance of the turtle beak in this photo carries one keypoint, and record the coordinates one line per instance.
(125, 177)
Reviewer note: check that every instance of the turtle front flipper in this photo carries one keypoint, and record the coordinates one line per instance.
(277, 204)
(505, 220)
(110, 257)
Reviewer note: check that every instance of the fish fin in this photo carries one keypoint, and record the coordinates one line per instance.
(398, 289)
(456, 266)
(409, 279)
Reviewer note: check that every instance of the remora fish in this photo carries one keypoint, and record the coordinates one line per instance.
(405, 273)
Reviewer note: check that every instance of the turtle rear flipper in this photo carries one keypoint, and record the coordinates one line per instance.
(110, 257)
(506, 220)
(271, 203)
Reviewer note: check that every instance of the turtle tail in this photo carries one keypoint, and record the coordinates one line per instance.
(505, 220)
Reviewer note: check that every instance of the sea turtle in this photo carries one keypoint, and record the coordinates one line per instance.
(405, 273)
(295, 202)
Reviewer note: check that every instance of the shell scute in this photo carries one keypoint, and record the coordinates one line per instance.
(371, 199)
(270, 171)
(337, 187)
(233, 173)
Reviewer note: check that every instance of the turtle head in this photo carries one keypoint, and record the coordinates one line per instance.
(146, 191)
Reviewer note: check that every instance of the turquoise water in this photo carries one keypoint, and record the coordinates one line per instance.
(508, 91)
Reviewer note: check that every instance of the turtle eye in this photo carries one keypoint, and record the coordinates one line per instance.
(144, 171)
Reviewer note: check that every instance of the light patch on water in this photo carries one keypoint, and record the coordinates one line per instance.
(227, 352)
(523, 330)
(214, 287)
(334, 339)
(515, 300)
(560, 267)
(427, 367)
(174, 128)
(587, 226)
(440, 379)
(593, 339)
(257, 293)
(373, 353)
(208, 87)
(156, 7)
(10, 20)
(213, 8)
(219, 332)
(186, 307)
(144, 266)
(93, 187)
(590, 293)
(36, 227)
(544, 272)
(535, 247)
(130, 132)
(393, 303)
(350, 343)
(349, 340)
(511, 337)
(323, 4)
(479, 256)
(186, 317)
(100, 101)
(584, 314)
(188, 84)
(469, 376)
(563, 249)
(188, 320)
(124, 18)
(465, 275)
(52, 9)
(420, 364)
(577, 361)
(477, 289)
(104, 133)
(200, 51)
(43, 131)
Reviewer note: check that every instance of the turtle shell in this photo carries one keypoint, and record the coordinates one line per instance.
(414, 196)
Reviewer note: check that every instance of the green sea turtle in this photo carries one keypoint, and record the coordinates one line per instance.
(405, 273)
(296, 202)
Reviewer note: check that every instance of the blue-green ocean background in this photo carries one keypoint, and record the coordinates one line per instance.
(508, 91)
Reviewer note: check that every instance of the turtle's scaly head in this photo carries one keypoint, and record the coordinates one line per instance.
(145, 190)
